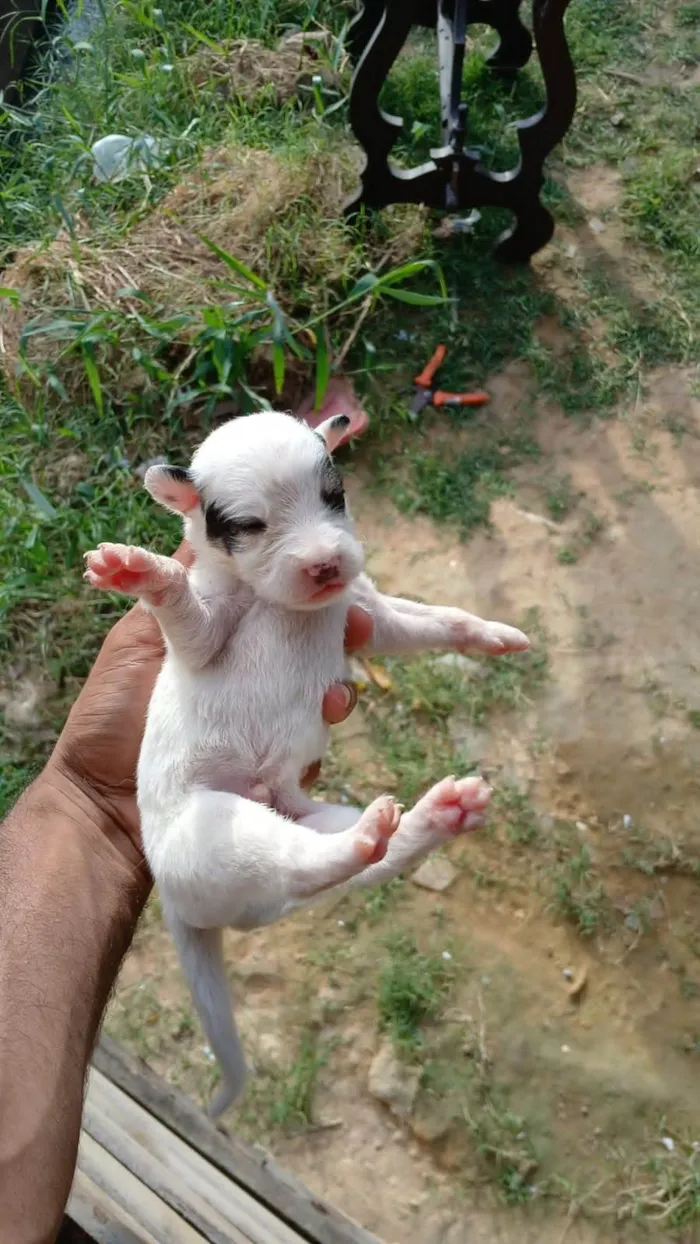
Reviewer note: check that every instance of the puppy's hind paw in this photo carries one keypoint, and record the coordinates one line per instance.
(375, 827)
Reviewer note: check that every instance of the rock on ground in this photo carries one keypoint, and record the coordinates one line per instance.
(393, 1082)
(435, 873)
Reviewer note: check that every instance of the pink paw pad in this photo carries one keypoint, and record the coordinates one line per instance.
(457, 806)
(375, 827)
(124, 568)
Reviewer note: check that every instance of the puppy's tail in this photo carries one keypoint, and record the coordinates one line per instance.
(201, 955)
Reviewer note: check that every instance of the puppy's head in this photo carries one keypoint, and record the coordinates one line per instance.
(263, 499)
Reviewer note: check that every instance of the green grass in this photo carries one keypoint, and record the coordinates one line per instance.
(413, 987)
(579, 896)
(293, 1107)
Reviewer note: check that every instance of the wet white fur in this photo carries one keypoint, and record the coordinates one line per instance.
(237, 704)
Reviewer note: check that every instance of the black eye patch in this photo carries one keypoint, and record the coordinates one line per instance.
(229, 531)
(332, 491)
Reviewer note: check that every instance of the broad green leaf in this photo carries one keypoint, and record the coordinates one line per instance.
(366, 283)
(38, 499)
(12, 295)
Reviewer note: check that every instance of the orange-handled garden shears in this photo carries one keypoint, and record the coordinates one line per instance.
(426, 395)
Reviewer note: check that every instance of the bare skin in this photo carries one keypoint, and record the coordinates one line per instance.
(73, 883)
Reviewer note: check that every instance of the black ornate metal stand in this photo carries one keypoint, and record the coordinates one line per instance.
(454, 178)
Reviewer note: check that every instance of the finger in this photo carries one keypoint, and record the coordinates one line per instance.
(184, 554)
(358, 628)
(338, 702)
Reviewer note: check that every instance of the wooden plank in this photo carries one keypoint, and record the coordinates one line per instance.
(100, 1216)
(220, 1209)
(250, 1167)
(112, 1191)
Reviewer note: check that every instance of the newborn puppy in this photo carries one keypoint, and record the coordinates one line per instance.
(254, 638)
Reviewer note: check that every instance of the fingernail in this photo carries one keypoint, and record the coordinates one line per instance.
(349, 696)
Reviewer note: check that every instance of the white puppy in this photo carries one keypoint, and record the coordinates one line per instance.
(254, 637)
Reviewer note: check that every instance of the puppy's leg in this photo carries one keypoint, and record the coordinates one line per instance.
(195, 630)
(230, 861)
(450, 808)
(409, 626)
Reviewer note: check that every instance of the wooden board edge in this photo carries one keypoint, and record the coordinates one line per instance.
(248, 1166)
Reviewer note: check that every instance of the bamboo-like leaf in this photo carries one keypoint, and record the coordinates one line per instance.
(236, 265)
(93, 375)
(323, 366)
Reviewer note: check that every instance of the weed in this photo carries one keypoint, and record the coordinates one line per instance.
(380, 901)
(459, 489)
(653, 854)
(578, 896)
(519, 816)
(293, 1107)
(567, 556)
(661, 203)
(560, 498)
(587, 532)
(412, 989)
(463, 1081)
(665, 1189)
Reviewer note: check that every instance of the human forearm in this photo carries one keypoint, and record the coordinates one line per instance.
(70, 897)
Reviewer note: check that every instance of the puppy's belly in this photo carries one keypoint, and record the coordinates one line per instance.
(278, 765)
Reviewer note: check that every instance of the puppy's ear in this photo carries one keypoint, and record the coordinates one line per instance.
(172, 487)
(333, 430)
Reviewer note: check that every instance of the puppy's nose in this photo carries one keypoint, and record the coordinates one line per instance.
(324, 572)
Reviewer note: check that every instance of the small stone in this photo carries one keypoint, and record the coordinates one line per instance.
(627, 821)
(582, 827)
(393, 1082)
(585, 1111)
(566, 1049)
(597, 225)
(446, 956)
(668, 1143)
(435, 873)
(617, 118)
(568, 974)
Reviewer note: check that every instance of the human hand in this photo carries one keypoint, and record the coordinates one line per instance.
(98, 749)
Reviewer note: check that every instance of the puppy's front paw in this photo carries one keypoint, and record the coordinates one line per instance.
(494, 638)
(123, 568)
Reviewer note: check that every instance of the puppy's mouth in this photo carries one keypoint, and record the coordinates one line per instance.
(328, 590)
